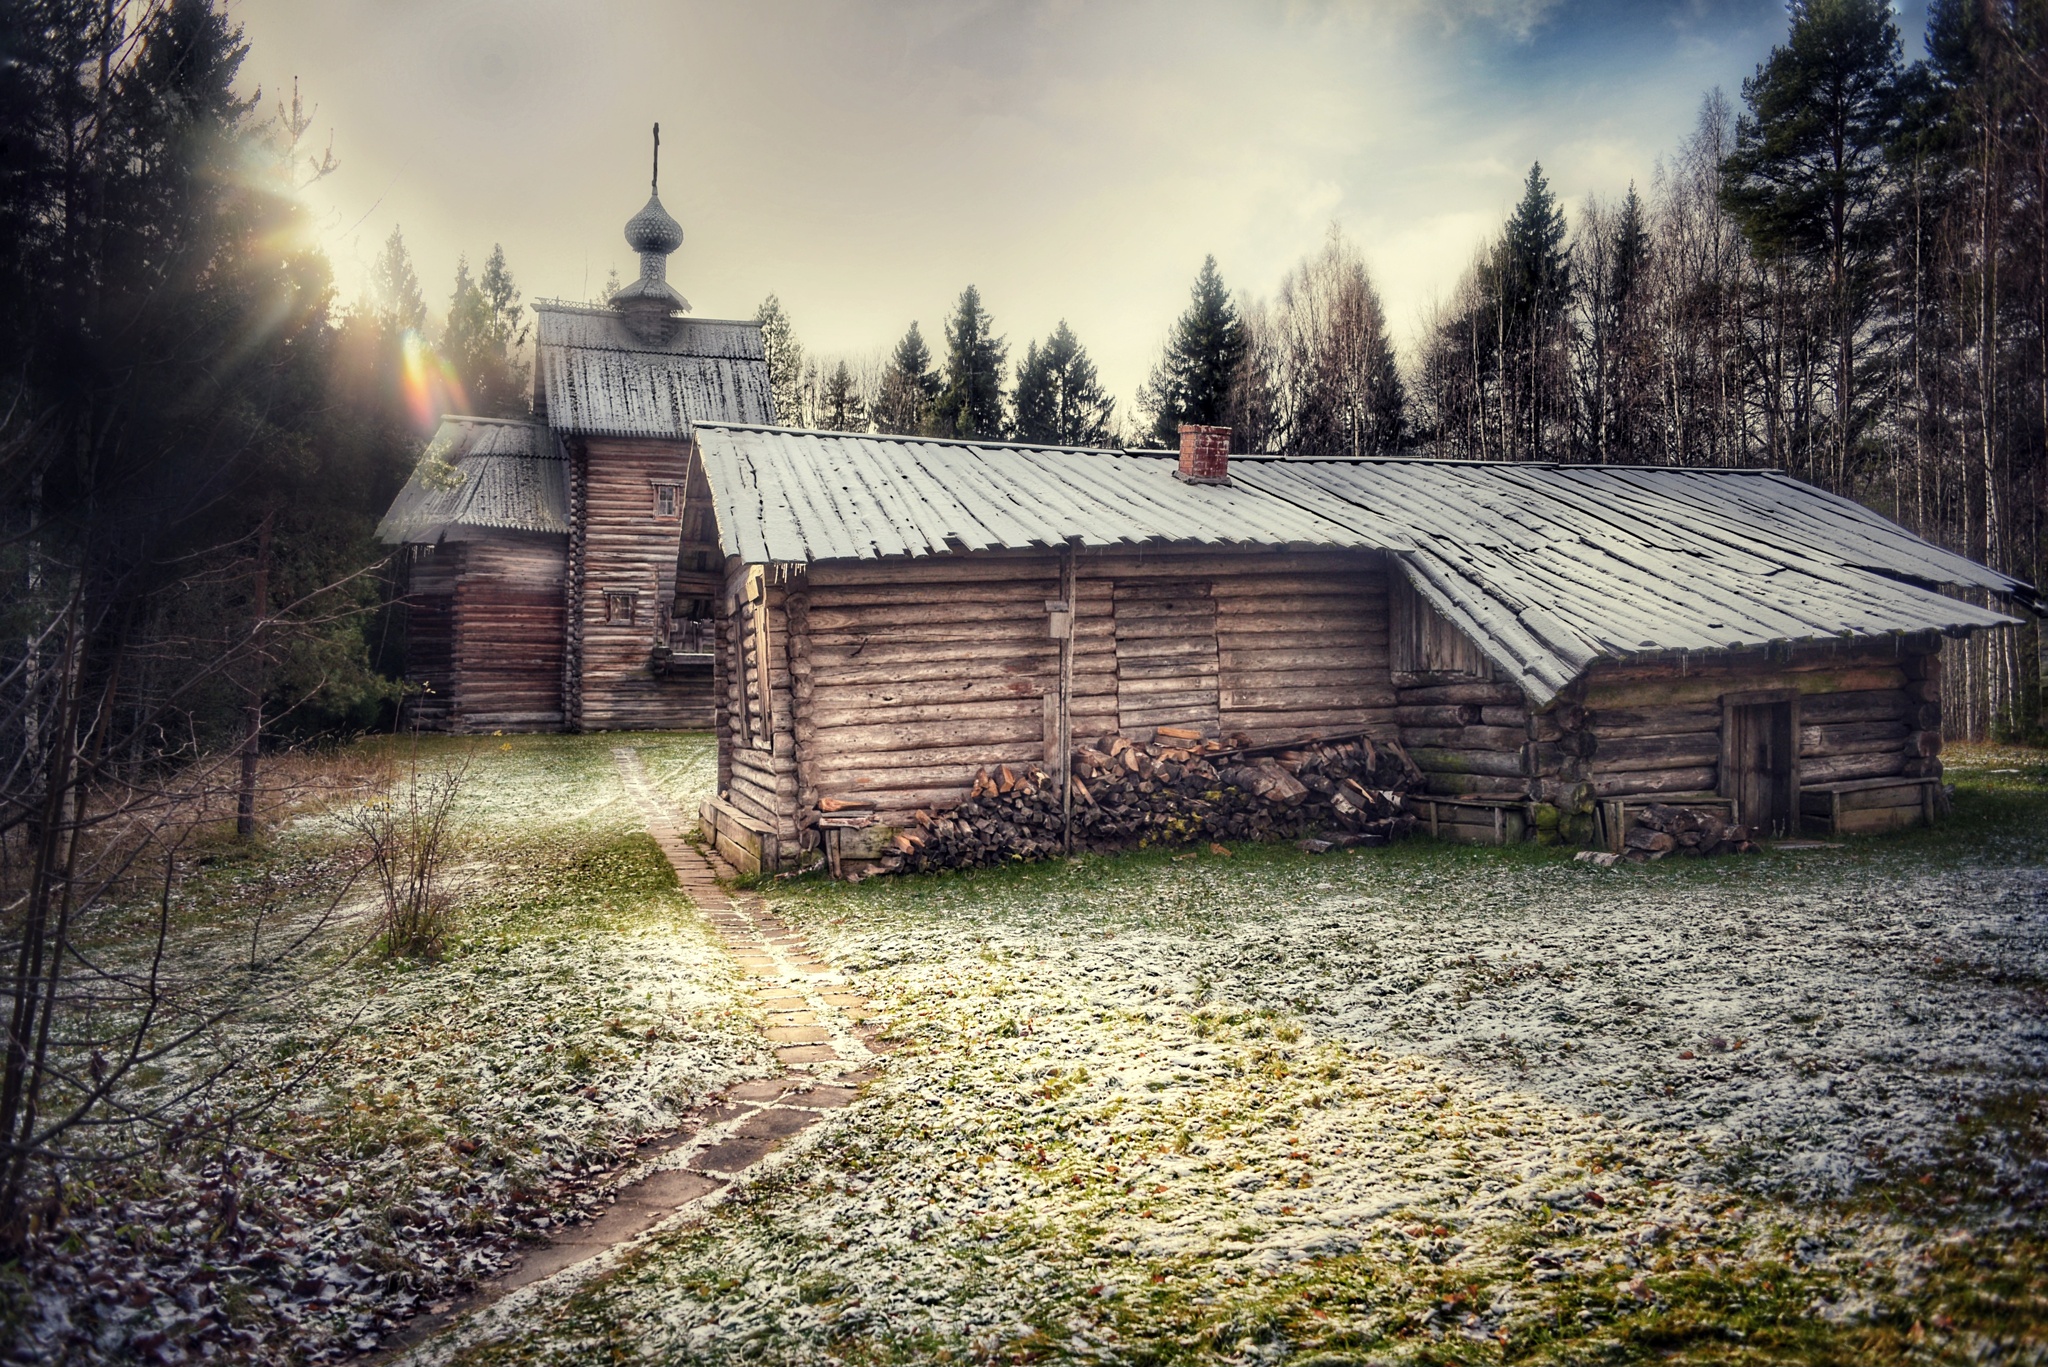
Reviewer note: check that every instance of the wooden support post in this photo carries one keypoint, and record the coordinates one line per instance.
(1065, 729)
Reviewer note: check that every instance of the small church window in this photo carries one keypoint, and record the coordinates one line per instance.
(665, 500)
(621, 605)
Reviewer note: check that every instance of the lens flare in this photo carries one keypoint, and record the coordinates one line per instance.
(431, 387)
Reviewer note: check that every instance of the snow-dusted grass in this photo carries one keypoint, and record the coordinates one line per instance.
(1422, 1104)
(449, 1111)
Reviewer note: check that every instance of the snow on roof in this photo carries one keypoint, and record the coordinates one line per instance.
(479, 474)
(1547, 567)
(593, 376)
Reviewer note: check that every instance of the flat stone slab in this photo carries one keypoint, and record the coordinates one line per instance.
(823, 1098)
(806, 1053)
(736, 1154)
(776, 1122)
(843, 998)
(788, 1001)
(797, 1034)
(640, 1207)
(795, 1017)
(760, 1089)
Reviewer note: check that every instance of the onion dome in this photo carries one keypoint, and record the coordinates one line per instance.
(653, 230)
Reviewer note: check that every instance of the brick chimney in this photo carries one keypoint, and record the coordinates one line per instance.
(1204, 454)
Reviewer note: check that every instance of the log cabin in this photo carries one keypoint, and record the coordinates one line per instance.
(555, 581)
(1549, 643)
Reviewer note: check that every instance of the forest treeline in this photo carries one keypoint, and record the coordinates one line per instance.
(1846, 279)
(1845, 276)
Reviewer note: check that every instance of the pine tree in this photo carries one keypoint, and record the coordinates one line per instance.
(909, 387)
(785, 357)
(483, 337)
(1192, 382)
(395, 288)
(1807, 178)
(1532, 278)
(971, 405)
(840, 408)
(1059, 399)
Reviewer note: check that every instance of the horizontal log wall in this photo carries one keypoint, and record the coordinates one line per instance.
(509, 618)
(1868, 709)
(908, 677)
(628, 548)
(1469, 738)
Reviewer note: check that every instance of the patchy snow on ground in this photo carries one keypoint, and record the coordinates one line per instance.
(1237, 1109)
(433, 1116)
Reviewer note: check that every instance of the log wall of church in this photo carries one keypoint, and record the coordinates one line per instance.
(627, 584)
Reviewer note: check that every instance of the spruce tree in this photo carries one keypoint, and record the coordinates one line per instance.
(785, 357)
(1059, 399)
(909, 387)
(839, 406)
(1807, 179)
(1192, 382)
(395, 287)
(484, 334)
(971, 405)
(1533, 280)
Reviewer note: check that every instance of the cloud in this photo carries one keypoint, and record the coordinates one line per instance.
(865, 161)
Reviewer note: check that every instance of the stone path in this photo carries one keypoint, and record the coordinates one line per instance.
(823, 1033)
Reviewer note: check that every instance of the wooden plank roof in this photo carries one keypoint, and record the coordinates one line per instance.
(481, 475)
(1547, 567)
(594, 377)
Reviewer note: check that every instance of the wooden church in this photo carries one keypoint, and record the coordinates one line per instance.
(555, 579)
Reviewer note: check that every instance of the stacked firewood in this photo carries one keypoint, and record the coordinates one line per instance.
(1009, 815)
(1179, 788)
(1661, 829)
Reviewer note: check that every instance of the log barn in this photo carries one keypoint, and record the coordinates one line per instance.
(555, 580)
(1549, 643)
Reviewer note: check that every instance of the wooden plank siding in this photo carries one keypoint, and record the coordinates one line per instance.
(431, 579)
(625, 586)
(892, 683)
(907, 677)
(508, 634)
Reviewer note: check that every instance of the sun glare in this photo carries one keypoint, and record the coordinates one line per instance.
(431, 387)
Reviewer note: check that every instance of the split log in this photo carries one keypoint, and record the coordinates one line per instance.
(1496, 738)
(1703, 688)
(1441, 784)
(1477, 693)
(1829, 709)
(1649, 781)
(1849, 738)
(1437, 760)
(1689, 750)
(1835, 768)
(1655, 721)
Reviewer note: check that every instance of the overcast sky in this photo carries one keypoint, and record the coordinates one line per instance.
(865, 161)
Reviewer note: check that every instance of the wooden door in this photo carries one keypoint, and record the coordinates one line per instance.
(1166, 664)
(1760, 762)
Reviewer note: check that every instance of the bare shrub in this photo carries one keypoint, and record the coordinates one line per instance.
(407, 832)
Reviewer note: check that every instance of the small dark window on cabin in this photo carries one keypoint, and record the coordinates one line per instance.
(621, 605)
(665, 500)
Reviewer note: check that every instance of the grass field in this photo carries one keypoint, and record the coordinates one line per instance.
(1420, 1104)
(1425, 1104)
